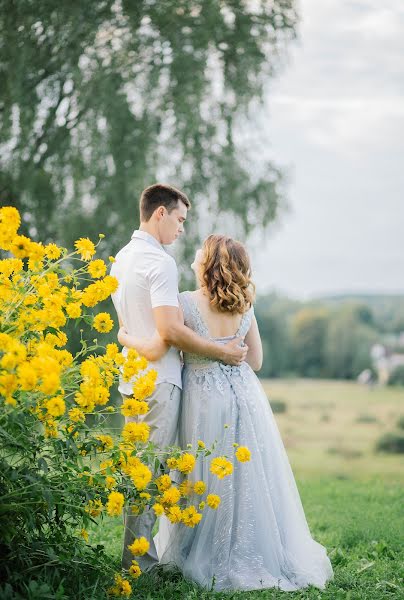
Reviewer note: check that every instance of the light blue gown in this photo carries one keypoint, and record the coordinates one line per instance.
(258, 537)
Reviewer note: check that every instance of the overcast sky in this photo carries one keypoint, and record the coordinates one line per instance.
(335, 119)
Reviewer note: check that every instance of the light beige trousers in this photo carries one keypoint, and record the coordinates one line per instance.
(162, 417)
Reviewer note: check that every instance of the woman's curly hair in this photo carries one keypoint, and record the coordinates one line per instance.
(226, 274)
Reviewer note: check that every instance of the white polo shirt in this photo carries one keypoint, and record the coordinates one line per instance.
(148, 278)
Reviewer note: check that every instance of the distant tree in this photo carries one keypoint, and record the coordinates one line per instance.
(99, 99)
(273, 313)
(348, 342)
(308, 329)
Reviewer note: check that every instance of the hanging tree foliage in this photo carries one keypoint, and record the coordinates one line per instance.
(99, 99)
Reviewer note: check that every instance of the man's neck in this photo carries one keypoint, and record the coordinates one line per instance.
(151, 229)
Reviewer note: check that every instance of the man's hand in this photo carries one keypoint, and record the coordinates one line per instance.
(233, 353)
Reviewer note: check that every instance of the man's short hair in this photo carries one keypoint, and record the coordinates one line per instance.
(157, 195)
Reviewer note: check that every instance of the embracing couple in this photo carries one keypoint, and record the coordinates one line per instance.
(259, 537)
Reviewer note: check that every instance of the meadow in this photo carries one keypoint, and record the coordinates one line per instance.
(352, 495)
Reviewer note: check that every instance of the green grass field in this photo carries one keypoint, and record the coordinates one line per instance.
(353, 497)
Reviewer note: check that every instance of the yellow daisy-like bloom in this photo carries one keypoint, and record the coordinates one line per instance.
(131, 407)
(136, 432)
(52, 251)
(140, 475)
(134, 570)
(27, 377)
(111, 259)
(94, 507)
(170, 496)
(191, 517)
(97, 268)
(186, 488)
(10, 218)
(110, 482)
(122, 587)
(158, 509)
(172, 462)
(76, 415)
(21, 246)
(199, 487)
(84, 534)
(85, 248)
(144, 386)
(115, 504)
(174, 514)
(221, 467)
(201, 444)
(106, 441)
(186, 463)
(73, 310)
(213, 501)
(163, 483)
(243, 454)
(56, 406)
(50, 384)
(103, 322)
(139, 547)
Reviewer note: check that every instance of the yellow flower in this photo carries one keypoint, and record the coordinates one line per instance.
(213, 501)
(186, 463)
(111, 259)
(158, 509)
(140, 475)
(110, 482)
(115, 504)
(122, 587)
(243, 454)
(190, 516)
(94, 507)
(85, 247)
(106, 441)
(136, 432)
(172, 462)
(186, 488)
(84, 534)
(163, 483)
(131, 407)
(76, 415)
(144, 386)
(134, 569)
(52, 251)
(201, 444)
(103, 322)
(97, 268)
(139, 546)
(221, 467)
(170, 496)
(174, 514)
(73, 310)
(56, 406)
(50, 384)
(199, 488)
(27, 377)
(10, 218)
(21, 246)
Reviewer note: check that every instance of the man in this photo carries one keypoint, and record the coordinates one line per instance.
(147, 302)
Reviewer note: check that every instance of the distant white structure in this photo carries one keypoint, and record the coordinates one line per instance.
(385, 359)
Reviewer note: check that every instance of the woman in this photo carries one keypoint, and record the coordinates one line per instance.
(259, 537)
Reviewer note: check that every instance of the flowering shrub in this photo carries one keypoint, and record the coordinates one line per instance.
(58, 474)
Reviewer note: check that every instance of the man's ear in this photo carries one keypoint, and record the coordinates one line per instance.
(160, 212)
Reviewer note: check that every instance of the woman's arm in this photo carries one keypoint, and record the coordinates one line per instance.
(253, 341)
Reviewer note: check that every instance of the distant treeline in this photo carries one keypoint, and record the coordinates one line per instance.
(330, 337)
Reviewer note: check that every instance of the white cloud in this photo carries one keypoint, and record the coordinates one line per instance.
(337, 114)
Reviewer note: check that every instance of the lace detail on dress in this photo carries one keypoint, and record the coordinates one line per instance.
(205, 372)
